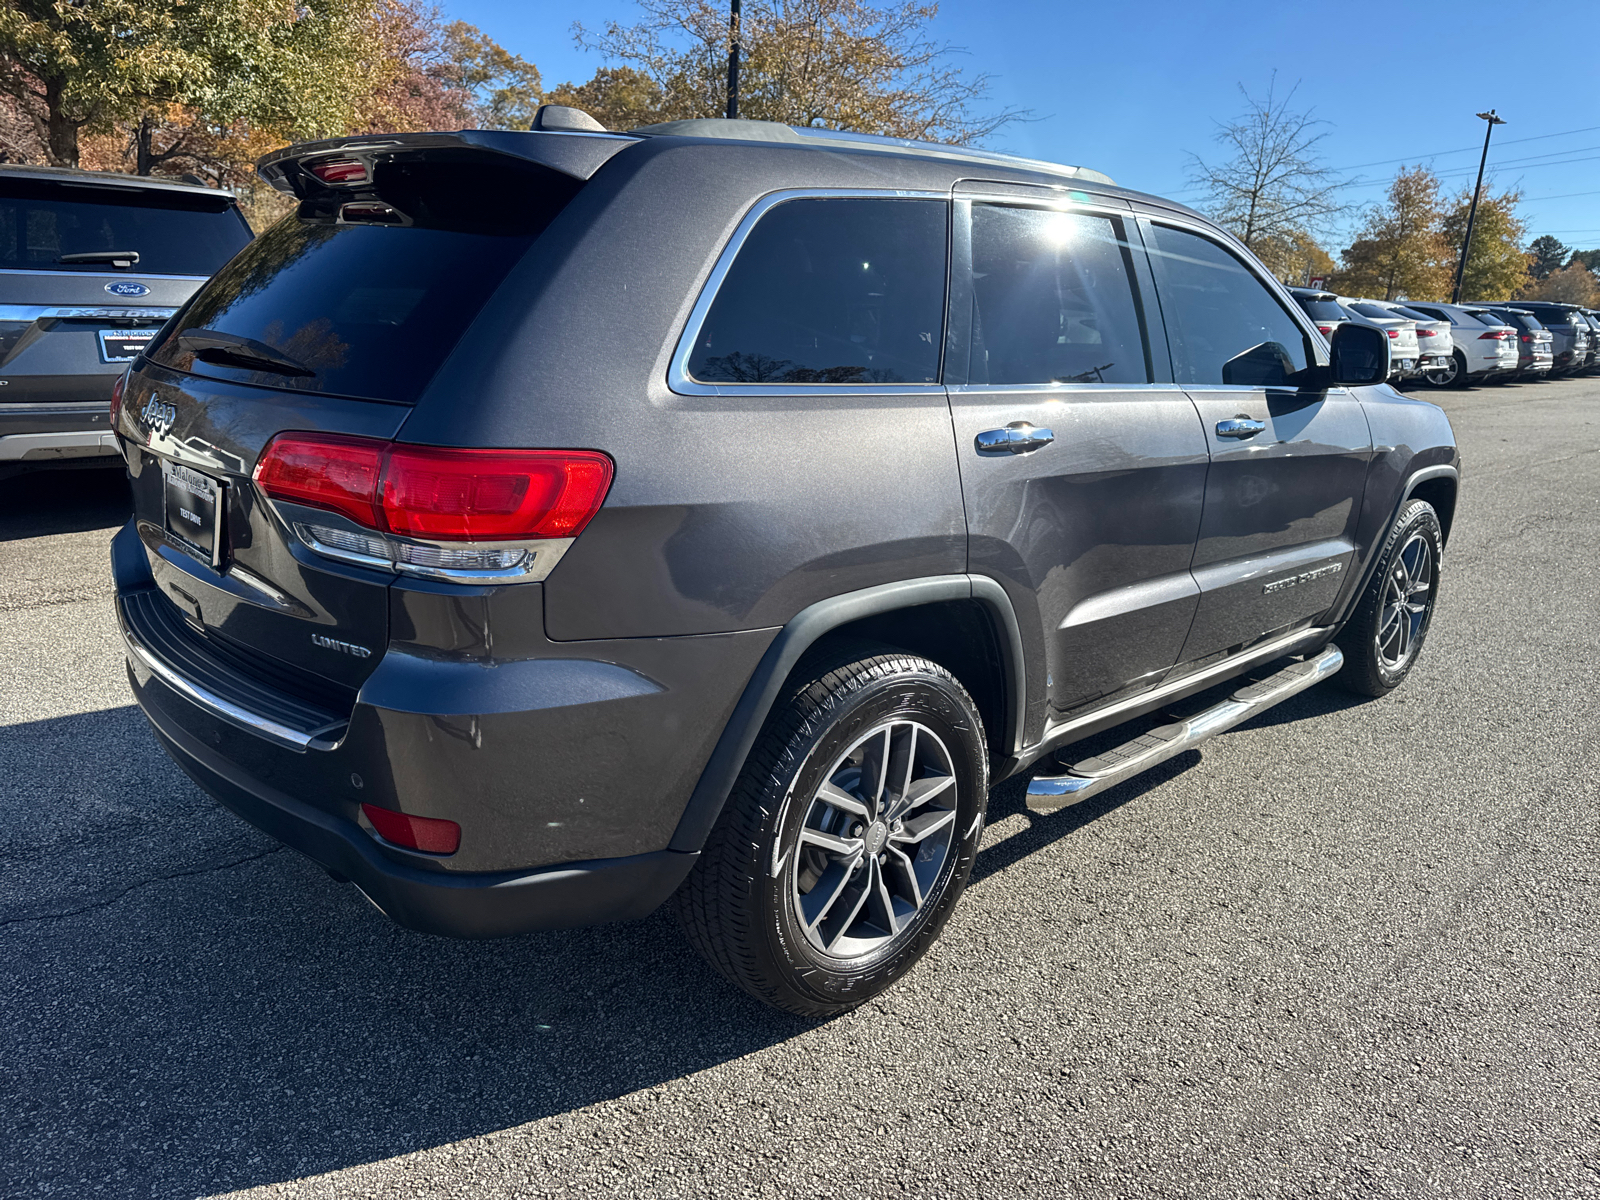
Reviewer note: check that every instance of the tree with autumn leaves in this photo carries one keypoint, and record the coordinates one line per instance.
(205, 87)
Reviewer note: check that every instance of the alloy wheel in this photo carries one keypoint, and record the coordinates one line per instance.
(1407, 597)
(876, 837)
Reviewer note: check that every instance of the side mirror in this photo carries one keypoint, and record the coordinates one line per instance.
(1360, 355)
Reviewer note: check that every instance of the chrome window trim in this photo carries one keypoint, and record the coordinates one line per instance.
(1035, 389)
(682, 383)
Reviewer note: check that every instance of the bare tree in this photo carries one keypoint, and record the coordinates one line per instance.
(843, 64)
(1273, 183)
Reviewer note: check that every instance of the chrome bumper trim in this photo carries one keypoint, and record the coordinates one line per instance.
(272, 731)
(69, 444)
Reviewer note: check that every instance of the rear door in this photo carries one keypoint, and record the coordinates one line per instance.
(1083, 466)
(1288, 466)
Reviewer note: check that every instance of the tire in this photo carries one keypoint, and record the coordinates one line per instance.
(1383, 639)
(768, 910)
(1453, 376)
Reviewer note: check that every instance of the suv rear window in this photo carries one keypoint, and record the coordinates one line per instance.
(1323, 310)
(174, 233)
(372, 306)
(831, 290)
(1376, 311)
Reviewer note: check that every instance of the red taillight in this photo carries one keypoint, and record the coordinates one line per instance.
(1494, 335)
(117, 388)
(325, 471)
(340, 170)
(492, 495)
(1422, 333)
(428, 834)
(1394, 333)
(439, 493)
(1324, 330)
(1527, 337)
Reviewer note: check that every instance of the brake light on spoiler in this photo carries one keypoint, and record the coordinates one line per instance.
(434, 510)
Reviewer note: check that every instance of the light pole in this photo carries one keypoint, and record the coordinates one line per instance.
(733, 63)
(1472, 212)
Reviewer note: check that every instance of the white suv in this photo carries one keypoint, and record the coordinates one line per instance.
(1485, 346)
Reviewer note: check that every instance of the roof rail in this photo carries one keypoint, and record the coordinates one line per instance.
(802, 135)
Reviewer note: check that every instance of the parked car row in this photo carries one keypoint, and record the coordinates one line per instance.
(1454, 345)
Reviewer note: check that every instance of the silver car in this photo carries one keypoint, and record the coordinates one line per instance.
(1404, 348)
(1435, 345)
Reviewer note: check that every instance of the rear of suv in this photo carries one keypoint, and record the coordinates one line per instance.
(537, 528)
(91, 265)
(1569, 332)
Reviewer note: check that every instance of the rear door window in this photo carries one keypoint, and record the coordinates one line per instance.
(831, 290)
(173, 233)
(371, 308)
(1053, 299)
(1223, 325)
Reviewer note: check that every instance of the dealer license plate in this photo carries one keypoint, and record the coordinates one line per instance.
(194, 511)
(123, 345)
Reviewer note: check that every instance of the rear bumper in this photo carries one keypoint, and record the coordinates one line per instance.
(486, 905)
(42, 434)
(567, 770)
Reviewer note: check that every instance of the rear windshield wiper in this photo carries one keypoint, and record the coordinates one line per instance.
(117, 258)
(230, 350)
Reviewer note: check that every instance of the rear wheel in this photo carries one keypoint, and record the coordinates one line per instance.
(1383, 639)
(848, 838)
(1455, 375)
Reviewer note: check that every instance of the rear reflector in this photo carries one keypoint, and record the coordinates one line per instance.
(437, 493)
(117, 388)
(340, 170)
(428, 834)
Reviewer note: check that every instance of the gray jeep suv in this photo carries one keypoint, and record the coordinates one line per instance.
(536, 528)
(91, 265)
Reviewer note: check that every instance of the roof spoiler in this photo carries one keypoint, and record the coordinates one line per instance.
(571, 153)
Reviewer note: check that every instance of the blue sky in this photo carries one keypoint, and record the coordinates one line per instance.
(1128, 89)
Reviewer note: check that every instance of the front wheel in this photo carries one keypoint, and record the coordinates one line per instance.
(848, 837)
(1383, 639)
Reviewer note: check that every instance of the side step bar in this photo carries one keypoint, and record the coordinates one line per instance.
(1048, 793)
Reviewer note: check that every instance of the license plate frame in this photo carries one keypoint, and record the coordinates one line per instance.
(127, 344)
(192, 507)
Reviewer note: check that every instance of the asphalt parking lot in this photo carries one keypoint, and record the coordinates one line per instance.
(1348, 950)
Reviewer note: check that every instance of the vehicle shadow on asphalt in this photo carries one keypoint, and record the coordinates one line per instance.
(210, 1012)
(63, 501)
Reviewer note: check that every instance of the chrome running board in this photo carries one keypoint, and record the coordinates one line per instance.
(1047, 793)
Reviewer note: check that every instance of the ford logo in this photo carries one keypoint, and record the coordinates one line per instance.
(120, 288)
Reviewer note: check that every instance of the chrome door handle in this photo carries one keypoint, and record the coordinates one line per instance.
(1239, 427)
(1019, 437)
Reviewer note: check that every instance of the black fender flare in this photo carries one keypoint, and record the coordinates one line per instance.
(1422, 475)
(799, 635)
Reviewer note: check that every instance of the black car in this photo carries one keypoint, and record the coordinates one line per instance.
(91, 265)
(536, 528)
